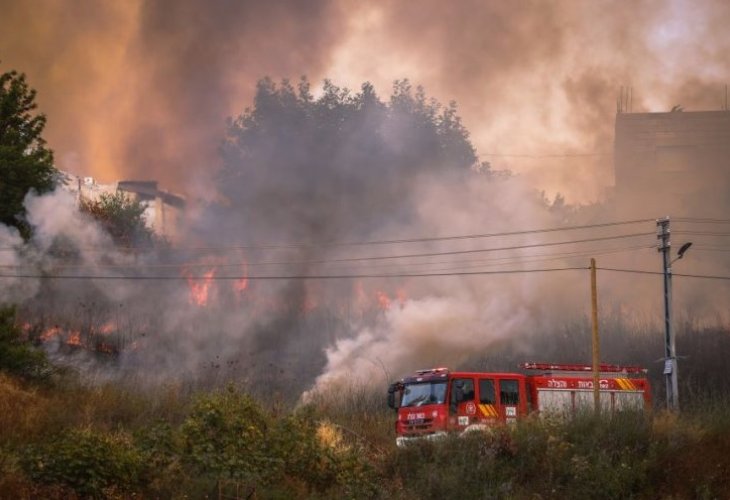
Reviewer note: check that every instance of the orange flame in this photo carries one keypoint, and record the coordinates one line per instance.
(107, 328)
(200, 288)
(49, 333)
(383, 300)
(74, 338)
(240, 286)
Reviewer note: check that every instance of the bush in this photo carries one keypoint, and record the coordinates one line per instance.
(225, 437)
(93, 464)
(229, 438)
(587, 457)
(17, 356)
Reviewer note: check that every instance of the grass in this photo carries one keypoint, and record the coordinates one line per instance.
(63, 438)
(120, 442)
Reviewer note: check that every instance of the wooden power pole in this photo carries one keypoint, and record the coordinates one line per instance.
(596, 345)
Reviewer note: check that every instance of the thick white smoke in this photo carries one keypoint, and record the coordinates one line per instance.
(451, 319)
(55, 219)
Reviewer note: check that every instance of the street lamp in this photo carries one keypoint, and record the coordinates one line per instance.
(682, 249)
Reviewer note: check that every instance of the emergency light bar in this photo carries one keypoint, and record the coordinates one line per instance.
(432, 370)
(583, 368)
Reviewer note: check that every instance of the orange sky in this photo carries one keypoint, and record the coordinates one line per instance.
(140, 89)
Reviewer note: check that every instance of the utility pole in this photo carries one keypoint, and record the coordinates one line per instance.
(596, 348)
(670, 356)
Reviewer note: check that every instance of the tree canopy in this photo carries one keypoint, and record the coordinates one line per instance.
(338, 164)
(25, 161)
(121, 216)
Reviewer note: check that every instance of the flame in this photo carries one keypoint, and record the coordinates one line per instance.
(107, 328)
(383, 300)
(240, 286)
(200, 288)
(74, 338)
(49, 333)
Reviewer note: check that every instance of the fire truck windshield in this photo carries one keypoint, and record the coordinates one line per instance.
(423, 393)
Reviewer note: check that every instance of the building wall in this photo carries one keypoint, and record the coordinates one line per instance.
(673, 160)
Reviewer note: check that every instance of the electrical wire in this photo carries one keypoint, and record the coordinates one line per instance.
(659, 273)
(700, 233)
(394, 241)
(435, 254)
(701, 220)
(290, 277)
(490, 261)
(537, 156)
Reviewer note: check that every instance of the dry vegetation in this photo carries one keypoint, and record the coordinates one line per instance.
(62, 438)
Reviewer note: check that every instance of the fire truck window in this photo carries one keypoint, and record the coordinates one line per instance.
(486, 392)
(509, 393)
(467, 389)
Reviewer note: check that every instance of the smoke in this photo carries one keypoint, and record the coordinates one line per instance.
(538, 79)
(452, 320)
(142, 90)
(15, 288)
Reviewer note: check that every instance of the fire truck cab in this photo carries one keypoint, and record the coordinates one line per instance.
(435, 401)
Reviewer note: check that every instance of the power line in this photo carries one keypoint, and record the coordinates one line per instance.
(554, 155)
(464, 252)
(702, 233)
(437, 254)
(657, 273)
(701, 220)
(392, 241)
(701, 248)
(471, 264)
(245, 264)
(291, 277)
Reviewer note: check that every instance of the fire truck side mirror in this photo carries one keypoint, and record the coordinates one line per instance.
(391, 396)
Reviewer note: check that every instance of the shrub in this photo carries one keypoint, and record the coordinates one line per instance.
(17, 356)
(93, 464)
(225, 436)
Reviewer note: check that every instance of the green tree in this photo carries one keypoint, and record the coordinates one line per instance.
(25, 161)
(337, 165)
(121, 216)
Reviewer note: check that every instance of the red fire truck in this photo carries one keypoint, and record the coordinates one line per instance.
(432, 402)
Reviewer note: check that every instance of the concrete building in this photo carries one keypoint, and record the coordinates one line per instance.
(162, 208)
(673, 162)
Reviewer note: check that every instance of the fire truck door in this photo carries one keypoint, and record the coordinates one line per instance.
(487, 408)
(462, 407)
(509, 398)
